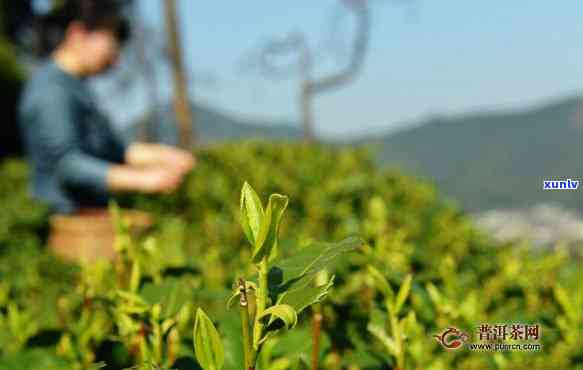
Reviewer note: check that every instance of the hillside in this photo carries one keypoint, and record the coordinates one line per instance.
(213, 126)
(495, 160)
(485, 161)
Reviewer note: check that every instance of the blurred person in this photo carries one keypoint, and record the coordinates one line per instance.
(77, 160)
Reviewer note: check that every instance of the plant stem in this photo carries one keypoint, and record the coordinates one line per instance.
(135, 276)
(244, 309)
(157, 345)
(261, 303)
(316, 333)
(397, 337)
(172, 340)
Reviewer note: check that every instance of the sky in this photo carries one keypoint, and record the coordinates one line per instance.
(429, 58)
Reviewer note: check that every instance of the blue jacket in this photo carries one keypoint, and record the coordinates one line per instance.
(70, 144)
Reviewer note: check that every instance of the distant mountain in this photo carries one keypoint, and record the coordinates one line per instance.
(495, 160)
(212, 126)
(485, 161)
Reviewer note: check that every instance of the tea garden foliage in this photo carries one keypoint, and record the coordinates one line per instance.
(422, 267)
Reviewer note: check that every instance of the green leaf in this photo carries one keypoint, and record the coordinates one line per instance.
(364, 355)
(305, 296)
(308, 261)
(207, 343)
(131, 297)
(132, 303)
(232, 342)
(39, 358)
(294, 343)
(280, 364)
(267, 241)
(97, 366)
(119, 223)
(252, 214)
(403, 293)
(378, 317)
(382, 336)
(562, 297)
(292, 280)
(434, 294)
(167, 325)
(122, 229)
(284, 312)
(125, 324)
(381, 283)
(47, 311)
(302, 364)
(135, 276)
(409, 322)
(171, 294)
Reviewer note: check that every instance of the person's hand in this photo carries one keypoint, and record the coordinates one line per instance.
(144, 155)
(160, 180)
(153, 179)
(181, 160)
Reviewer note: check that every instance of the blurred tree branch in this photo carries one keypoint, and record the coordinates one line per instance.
(310, 86)
(148, 72)
(184, 114)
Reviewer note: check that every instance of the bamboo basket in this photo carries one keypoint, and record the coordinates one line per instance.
(89, 236)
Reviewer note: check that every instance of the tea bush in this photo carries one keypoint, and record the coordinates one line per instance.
(375, 317)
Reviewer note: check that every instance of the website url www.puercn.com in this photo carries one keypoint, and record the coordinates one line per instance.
(560, 184)
(504, 347)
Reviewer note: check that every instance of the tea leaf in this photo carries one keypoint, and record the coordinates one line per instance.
(125, 324)
(403, 293)
(167, 325)
(252, 214)
(284, 312)
(409, 322)
(305, 296)
(308, 261)
(434, 294)
(382, 336)
(36, 357)
(233, 342)
(562, 297)
(99, 365)
(268, 240)
(207, 343)
(171, 294)
(302, 364)
(381, 283)
(131, 303)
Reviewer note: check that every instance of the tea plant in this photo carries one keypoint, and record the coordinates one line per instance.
(284, 287)
(392, 330)
(196, 251)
